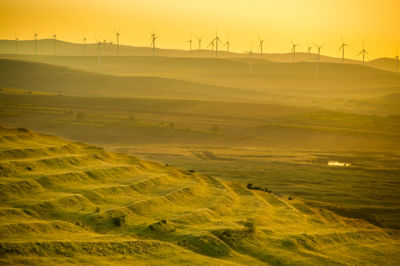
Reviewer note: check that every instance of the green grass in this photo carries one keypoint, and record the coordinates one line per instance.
(70, 202)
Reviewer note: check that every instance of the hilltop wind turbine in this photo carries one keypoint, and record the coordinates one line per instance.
(363, 52)
(117, 35)
(251, 58)
(99, 44)
(260, 45)
(293, 51)
(84, 45)
(342, 46)
(153, 38)
(212, 44)
(54, 40)
(16, 43)
(217, 40)
(199, 39)
(227, 44)
(190, 41)
(309, 52)
(318, 58)
(397, 63)
(35, 34)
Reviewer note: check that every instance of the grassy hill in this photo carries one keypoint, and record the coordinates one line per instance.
(67, 203)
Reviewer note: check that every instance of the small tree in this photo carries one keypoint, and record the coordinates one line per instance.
(249, 186)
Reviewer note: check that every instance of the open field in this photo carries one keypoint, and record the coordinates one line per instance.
(64, 202)
(282, 147)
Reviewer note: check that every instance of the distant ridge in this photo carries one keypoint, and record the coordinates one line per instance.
(45, 47)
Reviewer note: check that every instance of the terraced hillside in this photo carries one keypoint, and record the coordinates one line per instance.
(64, 202)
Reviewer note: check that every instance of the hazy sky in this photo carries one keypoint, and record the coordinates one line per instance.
(377, 22)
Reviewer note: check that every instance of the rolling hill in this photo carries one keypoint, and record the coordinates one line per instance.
(63, 80)
(201, 78)
(68, 203)
(64, 48)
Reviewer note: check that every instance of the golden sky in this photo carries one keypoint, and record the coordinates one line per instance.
(376, 22)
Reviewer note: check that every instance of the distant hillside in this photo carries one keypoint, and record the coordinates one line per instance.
(388, 64)
(195, 78)
(46, 47)
(72, 203)
(63, 80)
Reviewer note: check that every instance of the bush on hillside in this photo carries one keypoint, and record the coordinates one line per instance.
(119, 221)
(250, 186)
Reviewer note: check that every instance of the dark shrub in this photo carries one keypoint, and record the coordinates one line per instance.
(119, 221)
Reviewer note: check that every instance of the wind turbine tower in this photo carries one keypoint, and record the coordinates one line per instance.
(251, 59)
(217, 41)
(36, 36)
(260, 45)
(153, 38)
(397, 64)
(190, 41)
(54, 41)
(363, 52)
(309, 52)
(318, 59)
(16, 44)
(84, 46)
(294, 51)
(342, 46)
(117, 35)
(212, 44)
(99, 43)
(227, 44)
(199, 40)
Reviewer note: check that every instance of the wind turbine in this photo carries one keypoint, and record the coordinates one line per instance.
(363, 52)
(294, 50)
(260, 44)
(309, 52)
(54, 40)
(84, 45)
(16, 43)
(199, 39)
(99, 44)
(397, 63)
(342, 46)
(35, 34)
(251, 58)
(153, 38)
(117, 35)
(212, 44)
(190, 41)
(217, 41)
(318, 58)
(227, 44)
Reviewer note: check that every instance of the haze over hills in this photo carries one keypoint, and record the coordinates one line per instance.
(68, 203)
(63, 48)
(185, 78)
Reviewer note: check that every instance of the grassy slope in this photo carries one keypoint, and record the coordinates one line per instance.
(64, 202)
